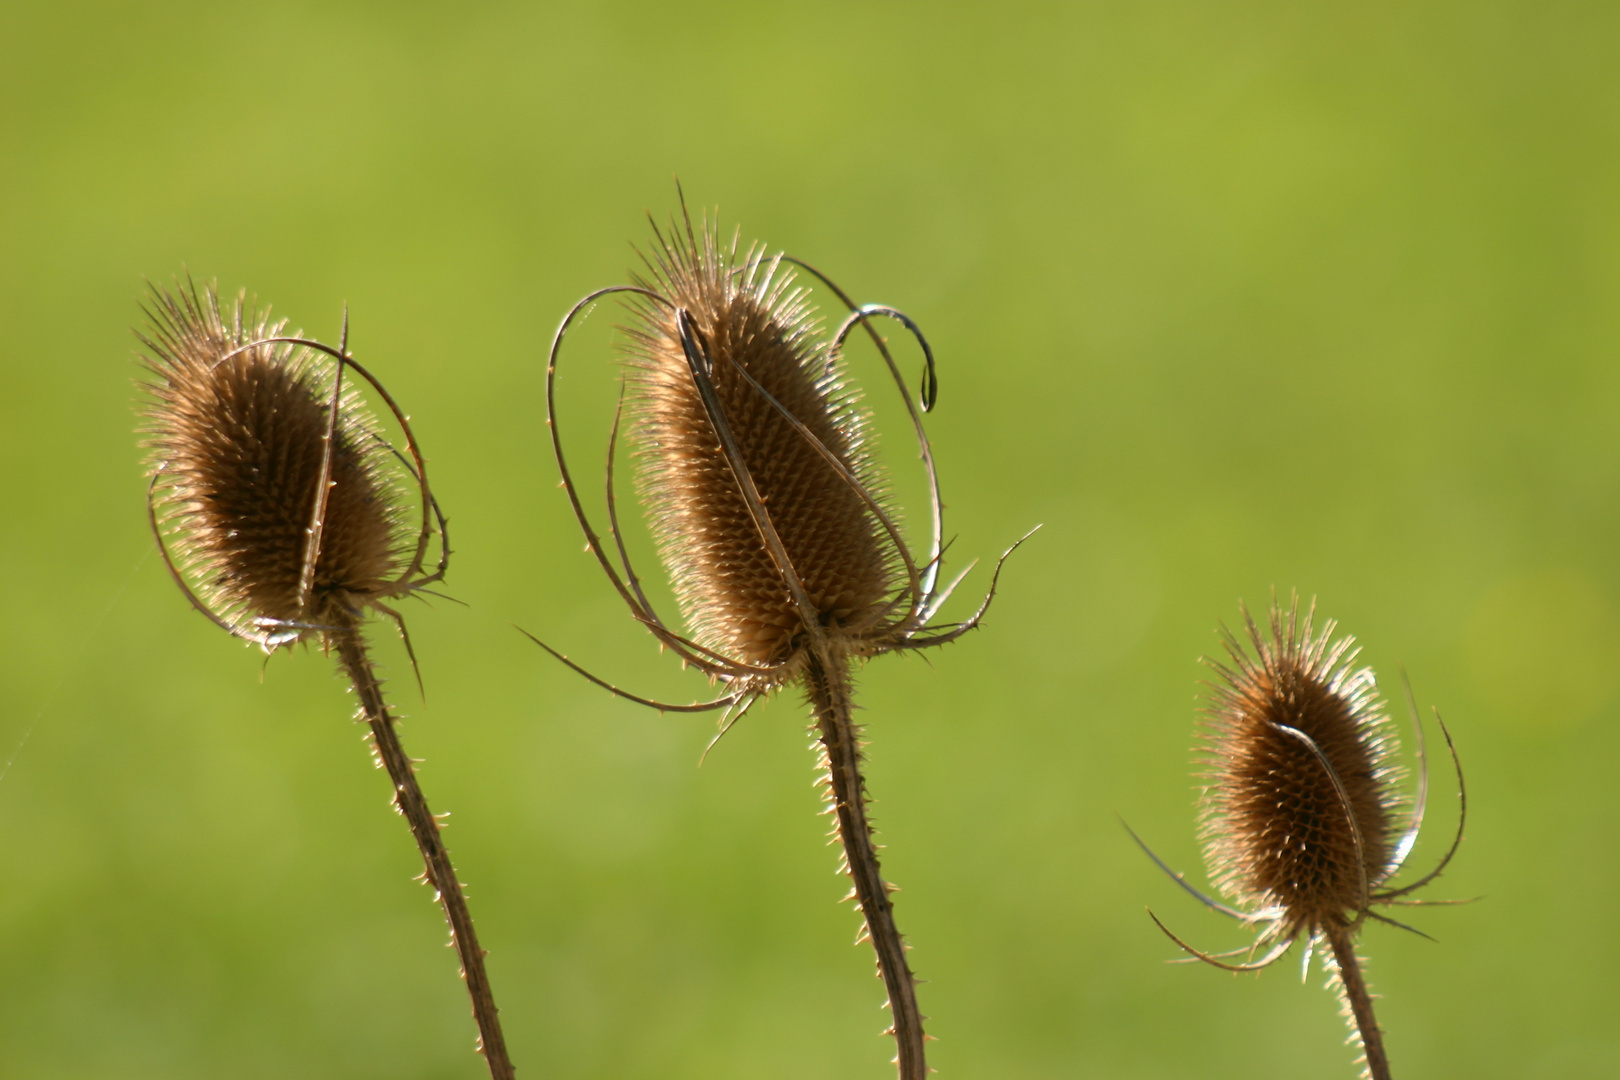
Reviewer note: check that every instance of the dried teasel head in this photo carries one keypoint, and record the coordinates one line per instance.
(770, 515)
(755, 337)
(278, 507)
(754, 456)
(1301, 816)
(1300, 810)
(274, 498)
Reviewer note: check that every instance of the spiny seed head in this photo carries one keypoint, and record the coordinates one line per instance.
(237, 440)
(747, 314)
(1277, 830)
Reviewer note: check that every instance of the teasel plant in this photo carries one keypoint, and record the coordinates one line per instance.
(772, 519)
(279, 508)
(1301, 817)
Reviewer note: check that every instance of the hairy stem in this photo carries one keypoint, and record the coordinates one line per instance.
(1359, 1000)
(351, 649)
(828, 685)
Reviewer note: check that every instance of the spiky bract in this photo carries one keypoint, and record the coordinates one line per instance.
(237, 438)
(750, 317)
(1280, 833)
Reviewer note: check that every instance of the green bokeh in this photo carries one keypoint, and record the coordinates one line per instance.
(1229, 296)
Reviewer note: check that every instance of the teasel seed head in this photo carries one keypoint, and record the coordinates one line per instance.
(755, 460)
(771, 516)
(276, 503)
(243, 428)
(1300, 806)
(753, 325)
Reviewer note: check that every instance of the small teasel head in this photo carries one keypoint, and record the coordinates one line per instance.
(1300, 808)
(278, 507)
(274, 496)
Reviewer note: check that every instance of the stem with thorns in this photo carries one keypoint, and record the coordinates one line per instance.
(1359, 999)
(828, 684)
(408, 798)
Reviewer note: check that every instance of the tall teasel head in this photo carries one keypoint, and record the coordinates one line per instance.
(772, 518)
(1302, 820)
(755, 462)
(274, 496)
(784, 403)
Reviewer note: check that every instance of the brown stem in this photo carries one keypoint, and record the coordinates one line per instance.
(1361, 1008)
(828, 685)
(351, 648)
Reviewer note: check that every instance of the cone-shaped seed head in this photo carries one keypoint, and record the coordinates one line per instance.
(1276, 829)
(236, 445)
(730, 590)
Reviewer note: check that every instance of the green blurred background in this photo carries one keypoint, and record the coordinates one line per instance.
(1229, 296)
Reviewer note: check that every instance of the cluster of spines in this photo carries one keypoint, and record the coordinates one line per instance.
(239, 425)
(274, 503)
(760, 335)
(1300, 824)
(1300, 805)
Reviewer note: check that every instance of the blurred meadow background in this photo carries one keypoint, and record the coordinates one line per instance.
(1230, 297)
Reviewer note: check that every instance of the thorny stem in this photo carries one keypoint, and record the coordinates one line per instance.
(1360, 1001)
(351, 648)
(827, 682)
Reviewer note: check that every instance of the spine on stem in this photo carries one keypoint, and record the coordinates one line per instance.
(828, 685)
(441, 874)
(1353, 986)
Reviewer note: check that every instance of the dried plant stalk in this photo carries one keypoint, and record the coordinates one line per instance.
(276, 505)
(771, 517)
(1300, 809)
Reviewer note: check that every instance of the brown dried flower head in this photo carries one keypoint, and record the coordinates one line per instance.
(277, 505)
(1300, 809)
(755, 462)
(756, 335)
(278, 498)
(771, 517)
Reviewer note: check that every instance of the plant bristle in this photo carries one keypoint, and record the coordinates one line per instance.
(1276, 829)
(236, 445)
(730, 590)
